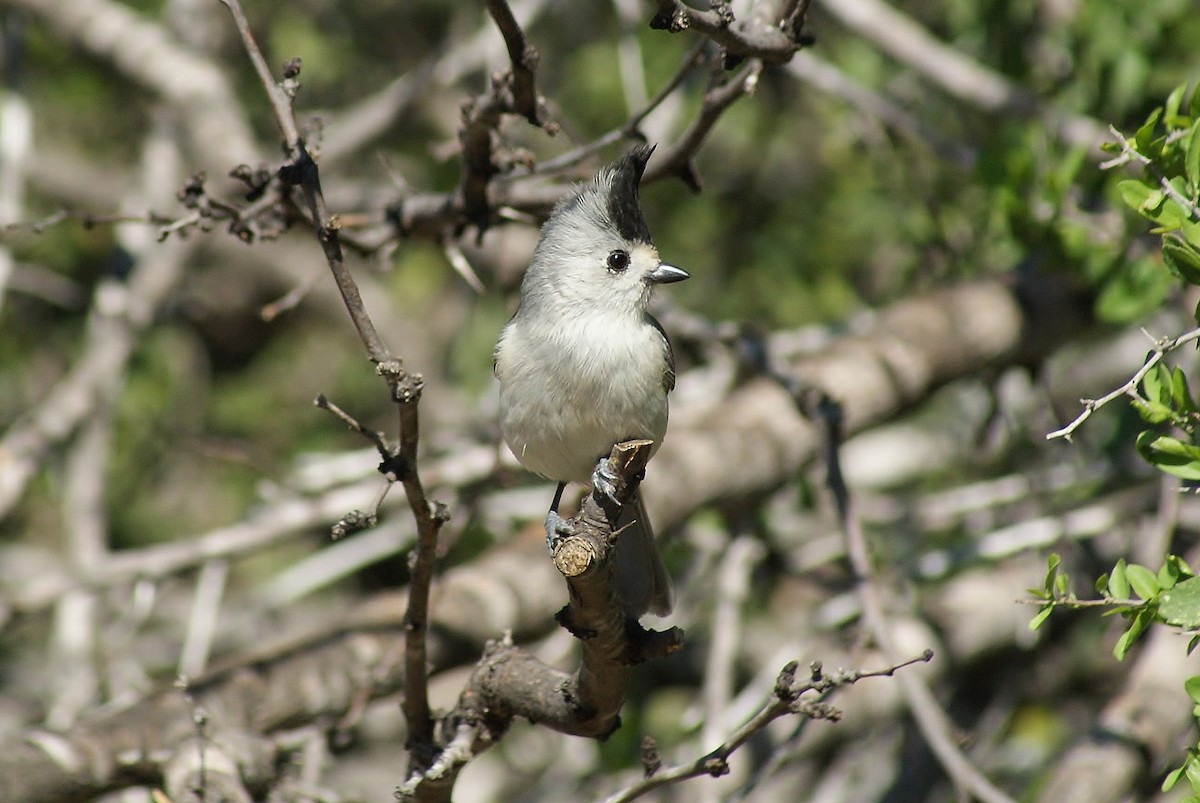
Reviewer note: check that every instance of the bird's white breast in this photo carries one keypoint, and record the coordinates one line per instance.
(565, 399)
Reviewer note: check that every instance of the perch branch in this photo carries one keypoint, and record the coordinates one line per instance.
(509, 683)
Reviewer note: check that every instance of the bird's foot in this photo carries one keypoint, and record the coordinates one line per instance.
(605, 480)
(557, 530)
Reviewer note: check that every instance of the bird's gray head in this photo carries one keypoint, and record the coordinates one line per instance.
(595, 250)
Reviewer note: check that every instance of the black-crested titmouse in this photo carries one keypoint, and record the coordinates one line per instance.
(582, 365)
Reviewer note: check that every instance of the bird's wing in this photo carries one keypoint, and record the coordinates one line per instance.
(668, 369)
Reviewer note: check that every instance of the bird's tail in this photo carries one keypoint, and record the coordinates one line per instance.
(642, 580)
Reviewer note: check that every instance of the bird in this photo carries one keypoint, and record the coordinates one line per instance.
(582, 365)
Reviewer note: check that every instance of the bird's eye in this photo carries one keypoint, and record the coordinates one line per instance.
(618, 261)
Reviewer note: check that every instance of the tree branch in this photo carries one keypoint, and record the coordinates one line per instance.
(509, 683)
(510, 93)
(405, 389)
(1161, 347)
(772, 38)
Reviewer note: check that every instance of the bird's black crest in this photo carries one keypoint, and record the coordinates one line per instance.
(623, 205)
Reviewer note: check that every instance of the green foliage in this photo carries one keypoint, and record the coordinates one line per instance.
(1166, 150)
(1180, 606)
(1142, 596)
(1170, 597)
(1166, 147)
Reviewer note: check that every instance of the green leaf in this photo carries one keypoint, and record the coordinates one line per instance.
(1181, 605)
(1170, 455)
(1134, 193)
(1144, 583)
(1042, 615)
(1172, 778)
(1169, 217)
(1181, 394)
(1174, 101)
(1192, 687)
(1168, 574)
(1139, 624)
(1060, 585)
(1118, 584)
(1052, 563)
(1192, 770)
(1195, 640)
(1190, 231)
(1123, 644)
(1145, 135)
(1140, 287)
(1182, 259)
(1102, 584)
(1191, 162)
(1152, 413)
(1156, 384)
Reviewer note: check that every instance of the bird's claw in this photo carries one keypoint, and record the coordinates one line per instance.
(605, 480)
(557, 530)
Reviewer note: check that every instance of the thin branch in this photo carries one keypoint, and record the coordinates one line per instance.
(460, 750)
(677, 158)
(1161, 347)
(302, 171)
(376, 438)
(509, 93)
(405, 389)
(631, 127)
(429, 518)
(524, 58)
(785, 700)
(934, 724)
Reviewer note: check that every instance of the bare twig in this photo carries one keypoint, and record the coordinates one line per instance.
(510, 93)
(302, 171)
(632, 126)
(405, 388)
(376, 438)
(524, 58)
(787, 699)
(676, 159)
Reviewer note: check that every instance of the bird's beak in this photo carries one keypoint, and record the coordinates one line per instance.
(665, 274)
